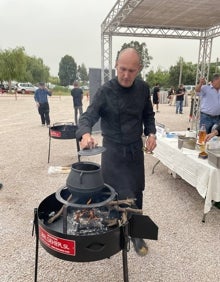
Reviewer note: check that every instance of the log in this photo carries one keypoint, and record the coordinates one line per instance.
(59, 213)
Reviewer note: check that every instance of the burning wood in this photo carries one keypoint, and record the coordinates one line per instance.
(97, 220)
(59, 213)
(127, 202)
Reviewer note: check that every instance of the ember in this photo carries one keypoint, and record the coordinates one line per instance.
(87, 222)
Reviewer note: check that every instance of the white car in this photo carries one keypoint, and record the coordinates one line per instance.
(25, 88)
(189, 89)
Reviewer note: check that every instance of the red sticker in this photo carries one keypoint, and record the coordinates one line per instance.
(65, 246)
(55, 133)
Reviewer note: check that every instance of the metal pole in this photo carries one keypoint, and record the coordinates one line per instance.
(36, 227)
(181, 71)
(48, 158)
(216, 66)
(124, 253)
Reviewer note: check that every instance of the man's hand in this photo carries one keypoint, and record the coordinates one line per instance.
(201, 83)
(88, 142)
(150, 143)
(211, 135)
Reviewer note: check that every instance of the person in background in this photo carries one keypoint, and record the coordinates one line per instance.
(124, 106)
(179, 99)
(209, 101)
(77, 95)
(156, 96)
(170, 95)
(41, 99)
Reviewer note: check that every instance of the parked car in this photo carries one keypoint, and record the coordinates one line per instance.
(189, 89)
(3, 88)
(25, 88)
(85, 87)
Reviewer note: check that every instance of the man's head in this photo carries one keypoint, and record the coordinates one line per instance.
(41, 84)
(216, 81)
(75, 84)
(128, 65)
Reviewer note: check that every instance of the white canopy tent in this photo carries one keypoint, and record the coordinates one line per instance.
(189, 19)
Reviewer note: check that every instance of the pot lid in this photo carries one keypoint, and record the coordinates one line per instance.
(91, 152)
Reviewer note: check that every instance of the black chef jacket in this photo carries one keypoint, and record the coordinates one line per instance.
(125, 114)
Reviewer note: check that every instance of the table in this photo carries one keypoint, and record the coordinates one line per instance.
(197, 172)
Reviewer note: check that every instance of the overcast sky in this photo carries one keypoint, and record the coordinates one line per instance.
(51, 29)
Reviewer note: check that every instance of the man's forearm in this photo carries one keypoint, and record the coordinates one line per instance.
(198, 87)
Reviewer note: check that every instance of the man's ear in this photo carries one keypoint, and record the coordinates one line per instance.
(140, 68)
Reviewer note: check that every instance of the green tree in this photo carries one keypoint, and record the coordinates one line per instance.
(214, 68)
(36, 70)
(12, 65)
(188, 73)
(83, 73)
(161, 77)
(54, 80)
(142, 50)
(67, 70)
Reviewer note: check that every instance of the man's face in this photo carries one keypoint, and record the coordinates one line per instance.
(216, 83)
(127, 70)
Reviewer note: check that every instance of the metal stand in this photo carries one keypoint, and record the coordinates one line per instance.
(35, 226)
(155, 166)
(203, 218)
(77, 146)
(124, 253)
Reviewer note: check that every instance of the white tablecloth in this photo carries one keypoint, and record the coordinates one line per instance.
(197, 172)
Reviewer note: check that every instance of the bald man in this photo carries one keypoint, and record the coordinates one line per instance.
(124, 107)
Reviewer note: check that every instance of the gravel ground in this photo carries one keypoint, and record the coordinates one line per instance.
(186, 250)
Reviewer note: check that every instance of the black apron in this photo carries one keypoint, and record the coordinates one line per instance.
(123, 169)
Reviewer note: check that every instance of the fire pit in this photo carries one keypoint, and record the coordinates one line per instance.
(83, 223)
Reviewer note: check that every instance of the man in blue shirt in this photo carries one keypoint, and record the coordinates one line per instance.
(40, 97)
(209, 102)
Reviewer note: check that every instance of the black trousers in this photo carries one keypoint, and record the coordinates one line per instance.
(44, 110)
(76, 110)
(123, 169)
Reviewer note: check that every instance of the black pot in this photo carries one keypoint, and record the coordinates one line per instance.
(85, 177)
(63, 131)
(75, 248)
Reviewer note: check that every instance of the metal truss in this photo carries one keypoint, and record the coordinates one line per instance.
(113, 26)
(204, 58)
(119, 12)
(106, 61)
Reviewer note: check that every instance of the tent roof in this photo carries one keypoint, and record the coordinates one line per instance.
(191, 14)
(188, 15)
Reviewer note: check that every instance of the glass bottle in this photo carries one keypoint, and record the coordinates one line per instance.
(202, 134)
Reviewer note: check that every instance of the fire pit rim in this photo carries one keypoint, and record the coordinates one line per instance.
(95, 205)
